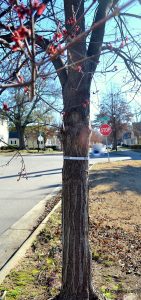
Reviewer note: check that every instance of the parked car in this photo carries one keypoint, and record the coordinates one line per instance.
(99, 149)
(109, 146)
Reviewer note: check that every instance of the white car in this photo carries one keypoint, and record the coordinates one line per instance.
(99, 149)
(109, 146)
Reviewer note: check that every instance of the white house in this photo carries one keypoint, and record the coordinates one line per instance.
(13, 138)
(129, 138)
(53, 142)
(4, 132)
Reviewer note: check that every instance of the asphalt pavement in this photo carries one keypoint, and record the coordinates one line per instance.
(44, 173)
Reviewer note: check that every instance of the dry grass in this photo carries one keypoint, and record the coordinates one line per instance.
(115, 223)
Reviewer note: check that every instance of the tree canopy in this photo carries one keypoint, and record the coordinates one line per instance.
(114, 110)
(35, 34)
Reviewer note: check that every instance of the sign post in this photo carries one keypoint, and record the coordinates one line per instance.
(105, 130)
(107, 149)
(40, 139)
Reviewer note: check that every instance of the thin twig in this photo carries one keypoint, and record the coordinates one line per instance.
(22, 172)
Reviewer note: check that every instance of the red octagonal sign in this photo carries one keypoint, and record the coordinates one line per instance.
(105, 129)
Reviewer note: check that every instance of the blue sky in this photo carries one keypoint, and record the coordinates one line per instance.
(119, 79)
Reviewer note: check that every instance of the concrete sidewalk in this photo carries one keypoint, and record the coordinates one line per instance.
(16, 236)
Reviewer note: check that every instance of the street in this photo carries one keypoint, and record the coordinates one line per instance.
(18, 197)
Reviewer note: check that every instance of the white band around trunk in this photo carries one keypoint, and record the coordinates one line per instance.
(76, 158)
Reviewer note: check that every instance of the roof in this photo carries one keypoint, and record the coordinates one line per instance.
(13, 135)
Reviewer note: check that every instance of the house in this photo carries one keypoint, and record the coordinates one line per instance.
(129, 138)
(43, 137)
(4, 132)
(53, 142)
(34, 141)
(13, 138)
(137, 130)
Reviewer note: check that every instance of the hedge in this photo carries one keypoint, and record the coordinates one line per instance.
(138, 146)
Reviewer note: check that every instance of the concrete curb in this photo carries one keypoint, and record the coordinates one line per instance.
(17, 252)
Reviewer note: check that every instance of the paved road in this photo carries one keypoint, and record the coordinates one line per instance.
(18, 197)
(115, 156)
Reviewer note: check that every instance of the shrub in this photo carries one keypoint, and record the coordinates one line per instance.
(138, 146)
(9, 148)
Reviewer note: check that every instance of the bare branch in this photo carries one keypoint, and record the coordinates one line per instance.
(130, 15)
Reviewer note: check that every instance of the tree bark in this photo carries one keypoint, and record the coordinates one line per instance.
(76, 258)
(76, 272)
(20, 131)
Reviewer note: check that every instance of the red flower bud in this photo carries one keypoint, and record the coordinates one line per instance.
(5, 106)
(41, 9)
(26, 90)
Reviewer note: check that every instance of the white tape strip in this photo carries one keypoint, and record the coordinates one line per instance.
(76, 158)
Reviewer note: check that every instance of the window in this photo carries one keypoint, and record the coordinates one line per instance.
(11, 142)
(15, 142)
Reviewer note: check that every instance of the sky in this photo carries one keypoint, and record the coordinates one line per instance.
(103, 83)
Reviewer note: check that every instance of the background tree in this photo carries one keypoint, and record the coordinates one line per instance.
(114, 110)
(95, 137)
(21, 112)
(74, 50)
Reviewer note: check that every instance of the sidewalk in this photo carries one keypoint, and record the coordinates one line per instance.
(14, 238)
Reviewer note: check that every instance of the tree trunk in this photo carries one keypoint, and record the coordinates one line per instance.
(114, 139)
(76, 271)
(76, 254)
(20, 131)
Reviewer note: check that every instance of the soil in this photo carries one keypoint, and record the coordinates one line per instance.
(115, 238)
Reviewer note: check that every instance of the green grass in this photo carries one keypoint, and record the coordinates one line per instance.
(39, 274)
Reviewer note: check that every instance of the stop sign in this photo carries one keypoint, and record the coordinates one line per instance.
(105, 129)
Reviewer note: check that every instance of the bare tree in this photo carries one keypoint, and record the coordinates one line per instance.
(114, 110)
(21, 112)
(74, 51)
(95, 137)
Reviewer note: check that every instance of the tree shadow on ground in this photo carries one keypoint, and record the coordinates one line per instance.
(119, 179)
(36, 173)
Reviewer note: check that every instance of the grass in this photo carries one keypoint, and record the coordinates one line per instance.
(39, 273)
(26, 152)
